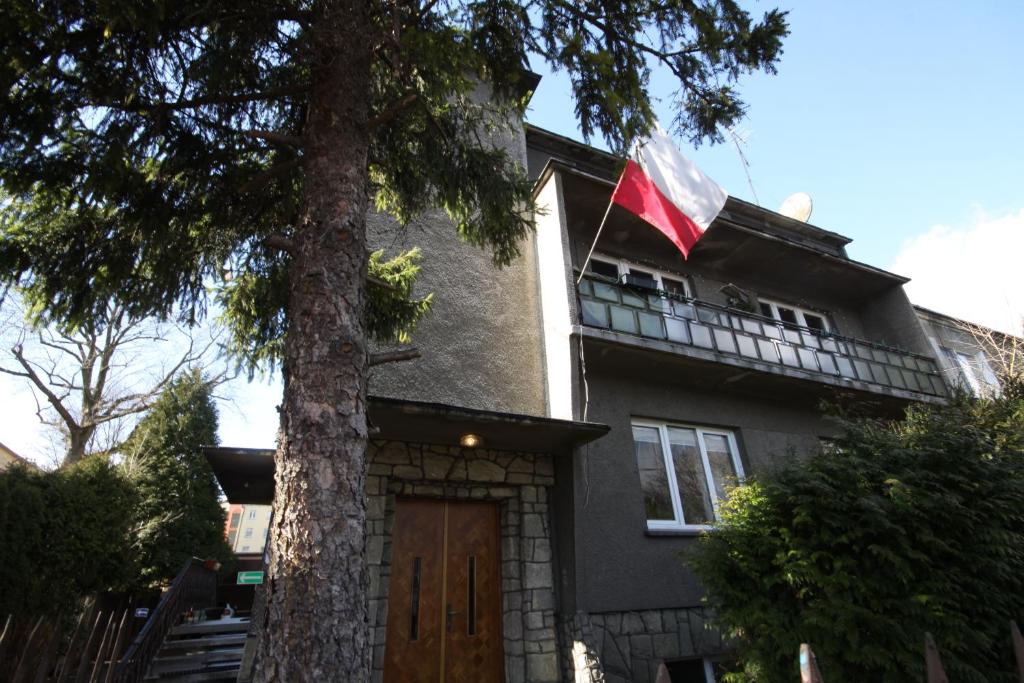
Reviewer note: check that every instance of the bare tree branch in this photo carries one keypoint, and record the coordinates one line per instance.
(392, 111)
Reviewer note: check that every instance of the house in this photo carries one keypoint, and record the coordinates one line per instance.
(538, 475)
(9, 458)
(246, 527)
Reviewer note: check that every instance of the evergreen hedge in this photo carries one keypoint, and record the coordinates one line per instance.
(63, 535)
(899, 530)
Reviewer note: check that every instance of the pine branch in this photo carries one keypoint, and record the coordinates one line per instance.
(273, 173)
(280, 242)
(274, 138)
(393, 356)
(157, 107)
(392, 111)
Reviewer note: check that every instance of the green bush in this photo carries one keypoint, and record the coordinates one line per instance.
(63, 535)
(178, 515)
(901, 529)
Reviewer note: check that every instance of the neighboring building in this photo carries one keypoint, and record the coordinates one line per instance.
(537, 477)
(246, 528)
(970, 355)
(9, 458)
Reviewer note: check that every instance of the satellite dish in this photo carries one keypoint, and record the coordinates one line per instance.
(797, 206)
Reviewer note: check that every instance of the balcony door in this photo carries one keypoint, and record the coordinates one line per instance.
(444, 600)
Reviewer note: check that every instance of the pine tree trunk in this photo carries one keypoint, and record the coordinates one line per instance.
(317, 627)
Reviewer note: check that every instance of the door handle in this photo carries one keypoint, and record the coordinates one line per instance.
(450, 616)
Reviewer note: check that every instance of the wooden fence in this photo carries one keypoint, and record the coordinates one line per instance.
(80, 649)
(809, 672)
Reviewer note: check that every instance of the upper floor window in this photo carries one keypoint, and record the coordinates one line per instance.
(975, 370)
(616, 268)
(685, 472)
(252, 514)
(793, 315)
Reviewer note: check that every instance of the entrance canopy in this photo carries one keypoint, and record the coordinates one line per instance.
(246, 475)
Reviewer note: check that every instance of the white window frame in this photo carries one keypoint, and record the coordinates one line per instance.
(626, 267)
(800, 313)
(679, 523)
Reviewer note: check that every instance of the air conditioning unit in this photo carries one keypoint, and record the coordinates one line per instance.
(640, 282)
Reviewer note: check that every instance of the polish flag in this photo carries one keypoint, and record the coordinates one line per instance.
(667, 190)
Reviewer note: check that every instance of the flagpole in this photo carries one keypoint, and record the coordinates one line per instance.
(583, 268)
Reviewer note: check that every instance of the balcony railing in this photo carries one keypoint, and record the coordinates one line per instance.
(746, 336)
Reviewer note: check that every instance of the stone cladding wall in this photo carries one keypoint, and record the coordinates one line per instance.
(519, 483)
(627, 647)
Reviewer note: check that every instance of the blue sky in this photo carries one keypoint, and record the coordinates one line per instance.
(893, 116)
(903, 121)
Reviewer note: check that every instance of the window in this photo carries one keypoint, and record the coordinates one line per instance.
(606, 266)
(252, 514)
(691, 671)
(975, 371)
(235, 516)
(684, 472)
(794, 316)
(248, 532)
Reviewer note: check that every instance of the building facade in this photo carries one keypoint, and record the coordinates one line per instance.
(538, 476)
(246, 528)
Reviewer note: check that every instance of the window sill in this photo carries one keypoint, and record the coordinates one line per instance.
(689, 531)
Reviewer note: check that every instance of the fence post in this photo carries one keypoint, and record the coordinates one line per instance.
(932, 661)
(1018, 649)
(809, 665)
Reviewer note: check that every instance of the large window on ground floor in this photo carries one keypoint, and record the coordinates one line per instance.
(685, 471)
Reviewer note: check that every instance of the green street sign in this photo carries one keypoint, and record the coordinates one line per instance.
(249, 578)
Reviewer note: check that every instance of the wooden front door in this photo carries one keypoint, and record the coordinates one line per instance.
(444, 598)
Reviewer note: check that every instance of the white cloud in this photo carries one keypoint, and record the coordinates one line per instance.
(971, 272)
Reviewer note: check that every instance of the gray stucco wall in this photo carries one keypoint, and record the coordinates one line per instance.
(481, 342)
(620, 566)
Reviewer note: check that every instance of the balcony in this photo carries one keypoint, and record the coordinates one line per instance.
(728, 335)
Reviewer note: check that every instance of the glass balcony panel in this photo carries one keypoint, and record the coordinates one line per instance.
(880, 355)
(863, 371)
(878, 374)
(827, 363)
(751, 325)
(603, 290)
(788, 354)
(634, 300)
(772, 331)
(623, 319)
(768, 351)
(594, 313)
(747, 346)
(586, 287)
(910, 380)
(807, 360)
(737, 322)
(894, 358)
(863, 351)
(895, 378)
(792, 336)
(938, 388)
(925, 365)
(811, 340)
(724, 341)
(829, 345)
(845, 367)
(701, 336)
(684, 310)
(908, 362)
(677, 330)
(650, 325)
(706, 315)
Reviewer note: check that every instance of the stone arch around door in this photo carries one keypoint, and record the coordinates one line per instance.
(519, 483)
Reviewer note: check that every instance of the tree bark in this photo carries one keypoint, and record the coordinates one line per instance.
(317, 627)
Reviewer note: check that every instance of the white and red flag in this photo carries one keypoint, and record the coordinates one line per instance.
(667, 190)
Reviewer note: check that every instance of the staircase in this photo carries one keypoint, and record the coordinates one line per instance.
(207, 651)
